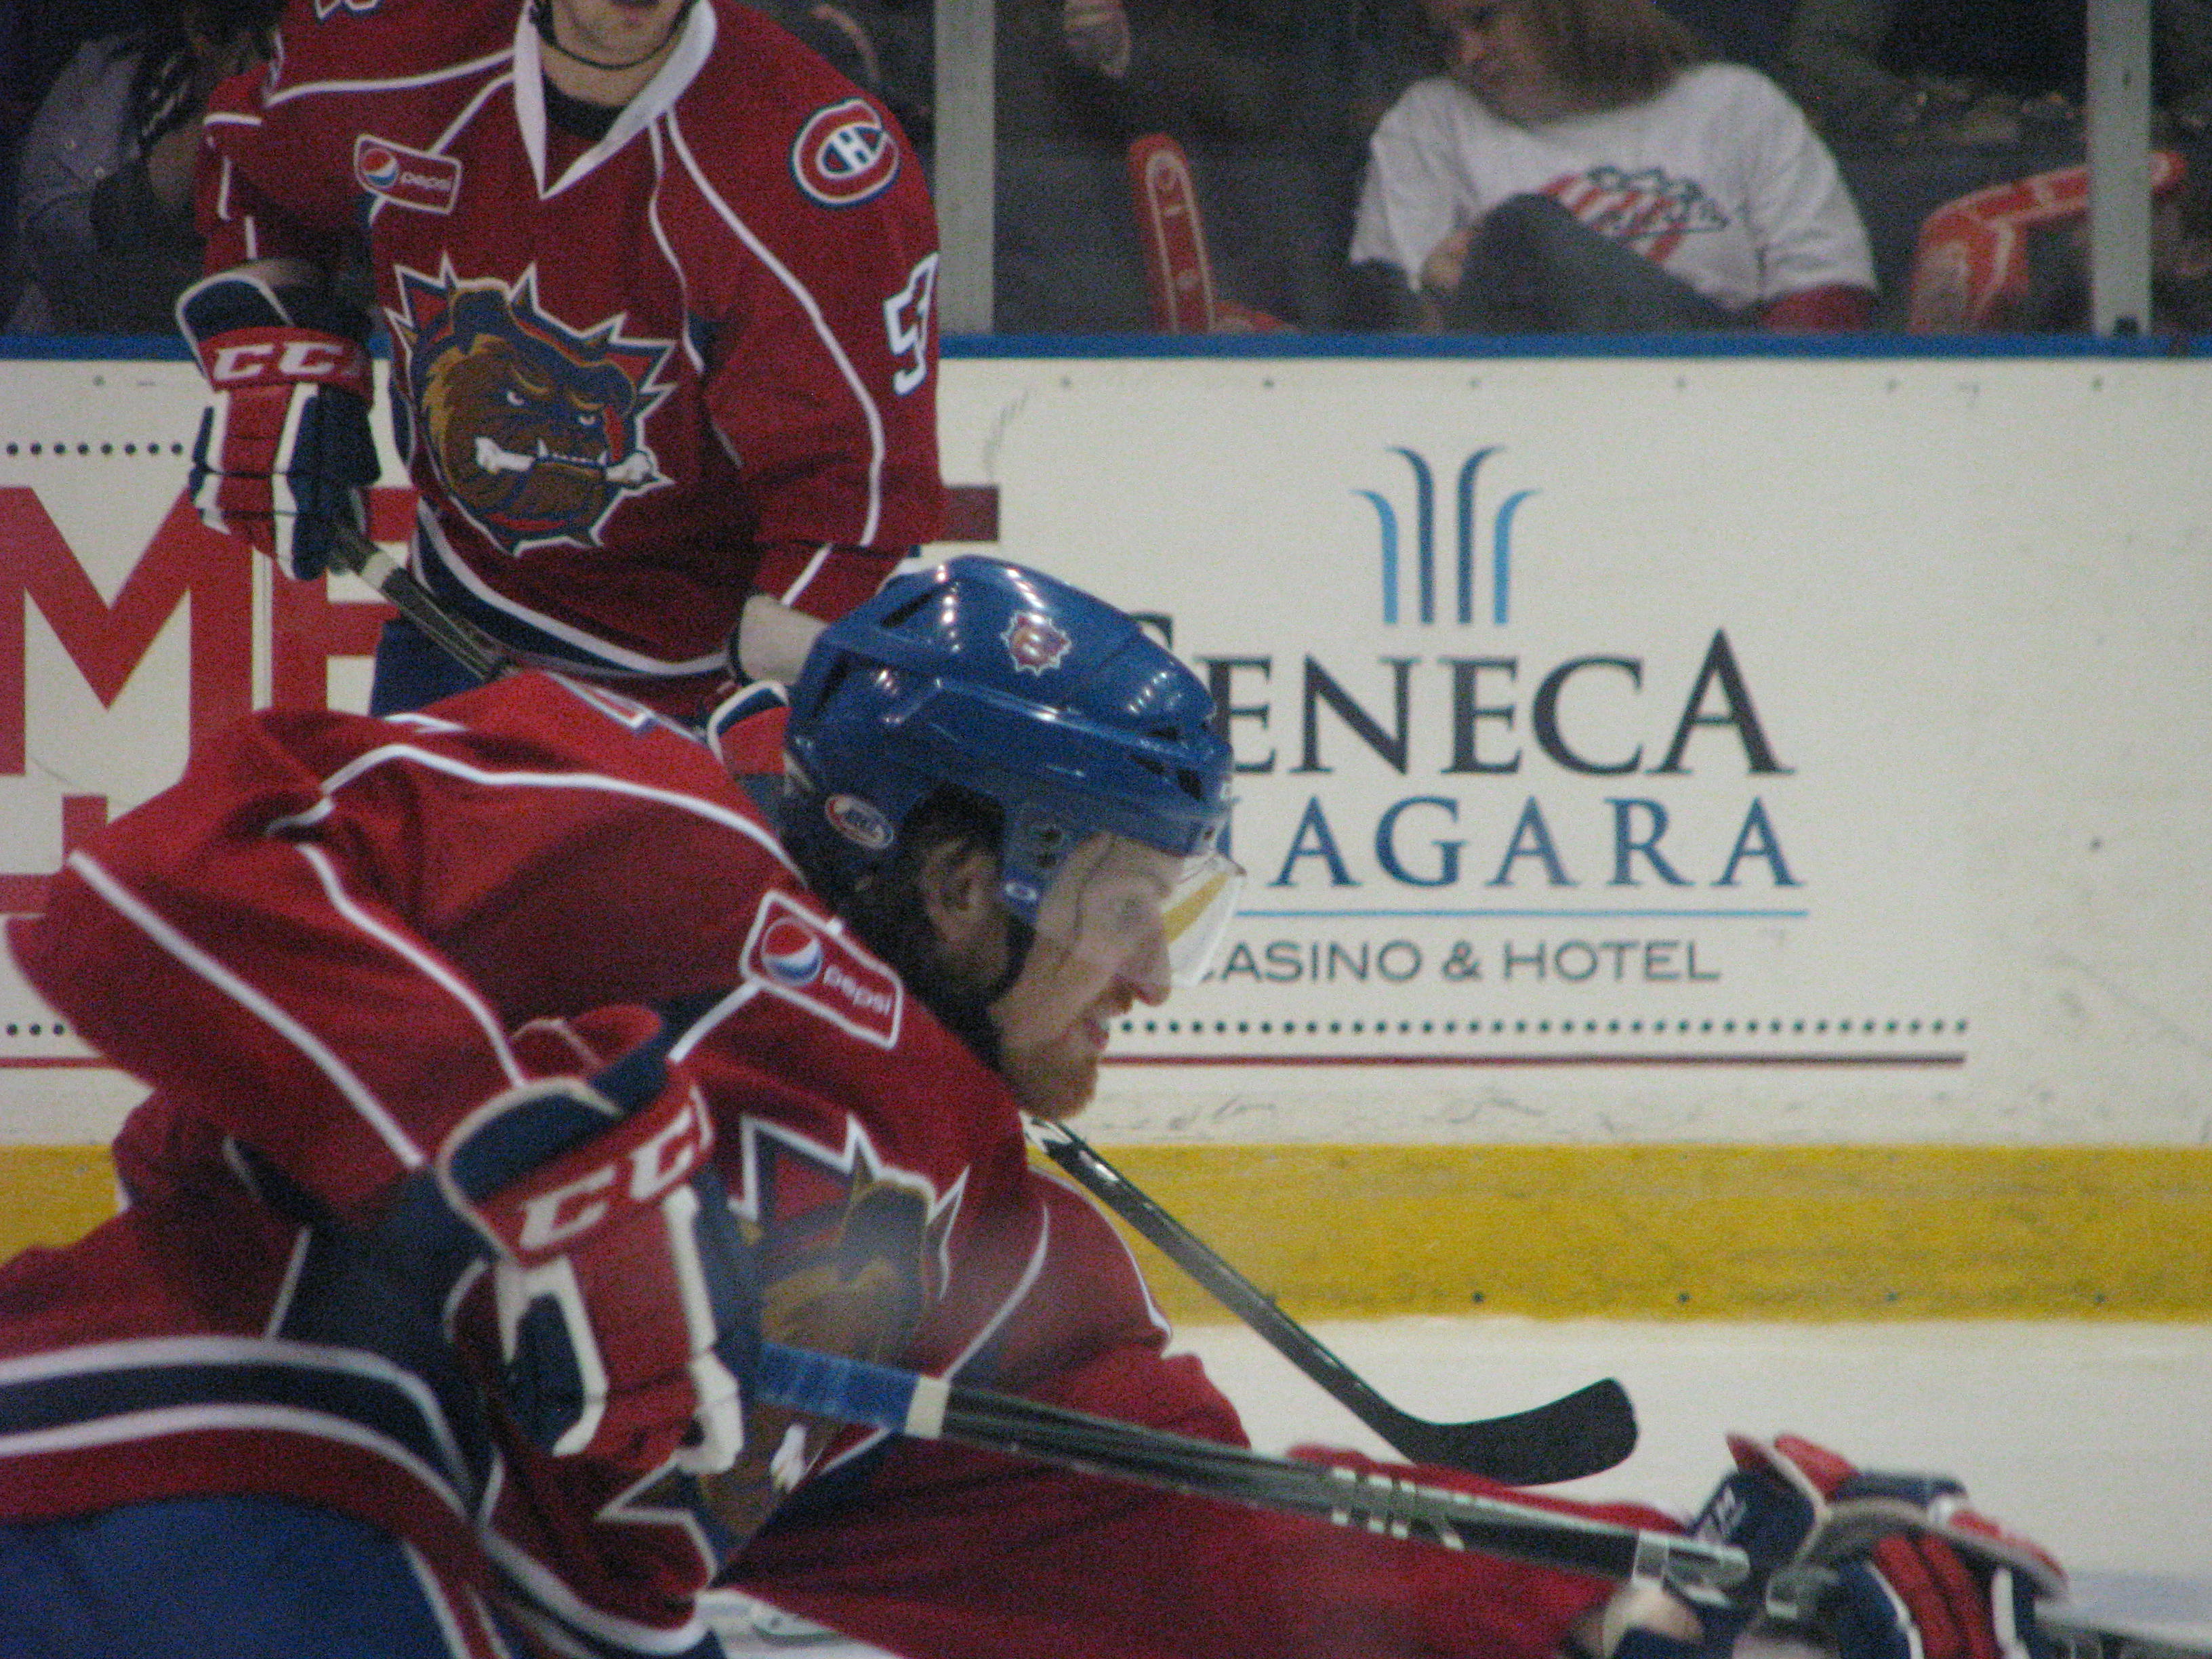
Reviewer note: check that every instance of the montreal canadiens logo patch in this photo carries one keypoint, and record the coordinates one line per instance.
(1035, 644)
(796, 955)
(844, 154)
(406, 178)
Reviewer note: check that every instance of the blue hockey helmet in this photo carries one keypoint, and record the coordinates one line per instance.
(1008, 683)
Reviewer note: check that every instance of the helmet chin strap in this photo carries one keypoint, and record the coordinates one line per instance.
(541, 16)
(1020, 936)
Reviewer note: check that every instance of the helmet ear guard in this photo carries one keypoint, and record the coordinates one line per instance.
(1009, 685)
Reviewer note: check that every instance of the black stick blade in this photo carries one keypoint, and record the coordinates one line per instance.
(1585, 1432)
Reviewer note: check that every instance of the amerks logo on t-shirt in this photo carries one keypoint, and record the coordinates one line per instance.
(801, 958)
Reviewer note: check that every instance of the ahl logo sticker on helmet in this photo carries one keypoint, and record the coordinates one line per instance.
(844, 154)
(858, 821)
(1035, 643)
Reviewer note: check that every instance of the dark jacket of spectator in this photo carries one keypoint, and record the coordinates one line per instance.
(104, 236)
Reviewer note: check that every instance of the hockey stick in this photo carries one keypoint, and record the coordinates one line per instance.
(2129, 1615)
(774, 638)
(934, 1409)
(1580, 1433)
(354, 553)
(2102, 1616)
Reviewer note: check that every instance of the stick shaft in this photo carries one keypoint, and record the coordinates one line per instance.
(460, 639)
(1219, 1279)
(933, 1408)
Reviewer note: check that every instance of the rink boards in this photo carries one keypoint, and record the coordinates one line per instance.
(1724, 834)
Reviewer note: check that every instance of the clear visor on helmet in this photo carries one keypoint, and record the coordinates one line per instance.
(1148, 916)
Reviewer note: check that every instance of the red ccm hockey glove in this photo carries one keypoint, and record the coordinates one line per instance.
(1877, 1565)
(284, 451)
(622, 1294)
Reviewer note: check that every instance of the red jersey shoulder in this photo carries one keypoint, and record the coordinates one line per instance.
(814, 135)
(557, 722)
(322, 41)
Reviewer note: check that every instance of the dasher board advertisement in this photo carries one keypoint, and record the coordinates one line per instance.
(1763, 750)
(1741, 749)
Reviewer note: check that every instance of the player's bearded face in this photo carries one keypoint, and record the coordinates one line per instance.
(1120, 923)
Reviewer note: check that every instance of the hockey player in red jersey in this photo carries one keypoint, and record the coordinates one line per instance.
(658, 286)
(421, 1338)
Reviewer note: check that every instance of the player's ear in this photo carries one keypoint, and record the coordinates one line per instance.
(958, 883)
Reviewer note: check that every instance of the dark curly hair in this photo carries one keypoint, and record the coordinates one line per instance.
(887, 912)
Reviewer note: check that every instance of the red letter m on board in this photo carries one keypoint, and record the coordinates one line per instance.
(107, 642)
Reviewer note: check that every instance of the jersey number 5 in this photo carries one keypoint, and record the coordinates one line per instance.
(906, 326)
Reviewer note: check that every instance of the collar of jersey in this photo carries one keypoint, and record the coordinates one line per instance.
(692, 48)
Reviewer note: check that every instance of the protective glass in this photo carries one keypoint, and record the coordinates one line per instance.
(1130, 909)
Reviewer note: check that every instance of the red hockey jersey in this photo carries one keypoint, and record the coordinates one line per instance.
(315, 947)
(633, 380)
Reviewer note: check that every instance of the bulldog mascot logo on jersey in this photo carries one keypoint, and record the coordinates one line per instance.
(536, 428)
(854, 1252)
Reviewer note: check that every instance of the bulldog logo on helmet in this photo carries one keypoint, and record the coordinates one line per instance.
(1035, 643)
(536, 429)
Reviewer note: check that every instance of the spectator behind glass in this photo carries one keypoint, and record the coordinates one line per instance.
(104, 222)
(1978, 73)
(2014, 257)
(1273, 100)
(1581, 166)
(1261, 94)
(38, 37)
(1067, 258)
(1265, 97)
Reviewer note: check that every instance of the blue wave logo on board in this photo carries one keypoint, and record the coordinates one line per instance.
(1489, 568)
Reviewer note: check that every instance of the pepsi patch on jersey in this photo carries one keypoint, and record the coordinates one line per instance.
(844, 154)
(798, 956)
(406, 178)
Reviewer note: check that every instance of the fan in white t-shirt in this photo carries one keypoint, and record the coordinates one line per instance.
(1607, 108)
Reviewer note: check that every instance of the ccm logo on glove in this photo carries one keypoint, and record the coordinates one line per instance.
(549, 1220)
(248, 356)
